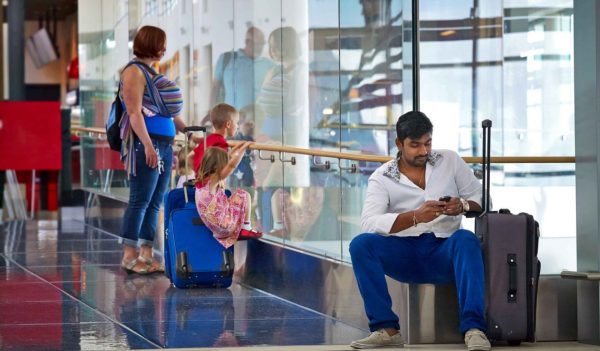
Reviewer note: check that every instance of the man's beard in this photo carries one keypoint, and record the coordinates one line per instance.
(418, 161)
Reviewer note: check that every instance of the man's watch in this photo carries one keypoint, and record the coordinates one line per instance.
(465, 205)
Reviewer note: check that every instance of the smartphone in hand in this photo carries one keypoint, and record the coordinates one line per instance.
(445, 198)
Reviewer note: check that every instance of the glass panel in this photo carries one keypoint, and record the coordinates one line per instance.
(538, 119)
(311, 200)
(301, 203)
(100, 55)
(374, 91)
(90, 53)
(270, 112)
(335, 75)
(213, 27)
(114, 21)
(242, 81)
(514, 65)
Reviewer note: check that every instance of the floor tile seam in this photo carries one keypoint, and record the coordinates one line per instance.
(70, 241)
(68, 265)
(226, 298)
(66, 252)
(30, 301)
(220, 320)
(52, 324)
(84, 238)
(107, 317)
(303, 307)
(87, 281)
(103, 231)
(35, 301)
(55, 282)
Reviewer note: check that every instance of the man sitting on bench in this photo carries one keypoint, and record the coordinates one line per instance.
(411, 219)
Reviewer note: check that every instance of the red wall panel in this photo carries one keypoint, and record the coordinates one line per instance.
(30, 135)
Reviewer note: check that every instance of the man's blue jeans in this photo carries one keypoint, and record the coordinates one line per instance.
(418, 260)
(146, 192)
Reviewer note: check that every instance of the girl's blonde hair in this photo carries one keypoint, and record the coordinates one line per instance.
(213, 161)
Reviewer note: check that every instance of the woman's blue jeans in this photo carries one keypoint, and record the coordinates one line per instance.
(146, 192)
(418, 260)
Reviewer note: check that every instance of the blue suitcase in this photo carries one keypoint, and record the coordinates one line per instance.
(193, 258)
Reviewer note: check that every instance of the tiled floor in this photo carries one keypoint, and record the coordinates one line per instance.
(62, 289)
(548, 346)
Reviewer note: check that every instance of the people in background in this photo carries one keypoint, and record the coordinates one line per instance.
(283, 119)
(239, 74)
(243, 176)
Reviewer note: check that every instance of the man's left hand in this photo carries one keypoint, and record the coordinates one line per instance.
(453, 207)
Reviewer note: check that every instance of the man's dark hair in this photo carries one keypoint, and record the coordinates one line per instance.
(413, 124)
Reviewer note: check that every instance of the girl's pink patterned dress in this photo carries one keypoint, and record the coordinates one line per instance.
(223, 215)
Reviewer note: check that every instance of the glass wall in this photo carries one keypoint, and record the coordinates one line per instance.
(335, 75)
(511, 62)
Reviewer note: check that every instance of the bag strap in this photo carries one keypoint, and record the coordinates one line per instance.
(148, 68)
(124, 68)
(152, 89)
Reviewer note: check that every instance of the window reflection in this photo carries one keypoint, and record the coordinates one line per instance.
(335, 75)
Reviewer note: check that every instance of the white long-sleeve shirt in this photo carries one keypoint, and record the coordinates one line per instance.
(390, 193)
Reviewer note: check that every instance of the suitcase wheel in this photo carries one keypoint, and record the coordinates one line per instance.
(182, 269)
(514, 342)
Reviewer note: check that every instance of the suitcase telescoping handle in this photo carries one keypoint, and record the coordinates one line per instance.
(188, 131)
(486, 124)
(194, 129)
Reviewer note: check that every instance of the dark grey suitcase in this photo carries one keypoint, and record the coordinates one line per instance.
(512, 269)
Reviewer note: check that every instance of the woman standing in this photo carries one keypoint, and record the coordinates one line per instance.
(151, 119)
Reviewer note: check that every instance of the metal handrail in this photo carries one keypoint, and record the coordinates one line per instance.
(361, 157)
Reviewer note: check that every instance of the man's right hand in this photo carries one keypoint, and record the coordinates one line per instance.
(429, 211)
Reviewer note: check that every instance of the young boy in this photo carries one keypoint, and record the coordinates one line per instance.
(225, 120)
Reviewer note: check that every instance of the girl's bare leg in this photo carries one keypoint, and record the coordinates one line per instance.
(248, 206)
(277, 209)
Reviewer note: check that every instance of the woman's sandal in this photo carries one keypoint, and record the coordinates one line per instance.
(129, 267)
(152, 269)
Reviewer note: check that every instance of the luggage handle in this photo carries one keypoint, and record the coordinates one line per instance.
(511, 259)
(188, 132)
(194, 129)
(486, 124)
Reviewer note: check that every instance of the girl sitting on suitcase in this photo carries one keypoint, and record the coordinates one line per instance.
(227, 217)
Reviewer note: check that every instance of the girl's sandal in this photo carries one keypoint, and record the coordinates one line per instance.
(158, 268)
(129, 267)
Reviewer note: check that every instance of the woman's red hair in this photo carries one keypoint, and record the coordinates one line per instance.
(149, 42)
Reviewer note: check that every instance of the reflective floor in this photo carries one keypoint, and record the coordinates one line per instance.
(61, 288)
